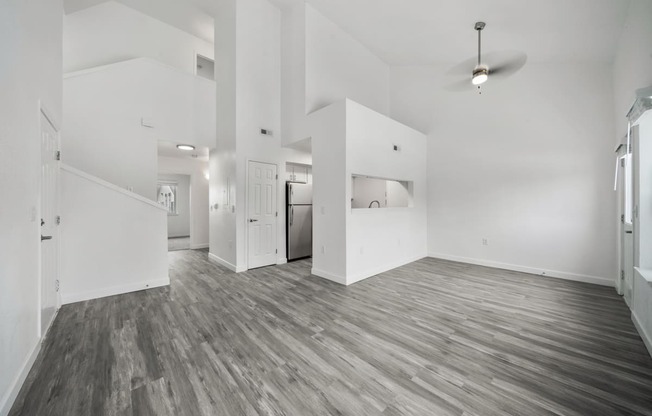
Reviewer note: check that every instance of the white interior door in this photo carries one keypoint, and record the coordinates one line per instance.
(49, 230)
(262, 214)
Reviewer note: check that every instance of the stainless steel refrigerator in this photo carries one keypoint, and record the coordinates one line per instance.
(299, 220)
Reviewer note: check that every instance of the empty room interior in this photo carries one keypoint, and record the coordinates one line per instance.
(326, 207)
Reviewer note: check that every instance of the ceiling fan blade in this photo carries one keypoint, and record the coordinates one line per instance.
(463, 68)
(460, 86)
(506, 66)
(496, 61)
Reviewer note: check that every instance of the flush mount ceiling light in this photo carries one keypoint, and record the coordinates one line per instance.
(185, 147)
(480, 76)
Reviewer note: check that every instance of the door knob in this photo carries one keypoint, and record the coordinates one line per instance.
(46, 237)
(252, 220)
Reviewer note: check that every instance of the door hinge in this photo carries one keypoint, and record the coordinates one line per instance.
(56, 285)
(622, 163)
(57, 156)
(276, 251)
(277, 176)
(277, 213)
(622, 218)
(58, 219)
(622, 275)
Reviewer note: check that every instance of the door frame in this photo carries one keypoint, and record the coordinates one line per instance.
(246, 209)
(624, 227)
(49, 116)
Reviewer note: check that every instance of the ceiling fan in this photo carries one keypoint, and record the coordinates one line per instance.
(504, 64)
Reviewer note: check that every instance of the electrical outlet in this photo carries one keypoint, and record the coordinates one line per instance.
(323, 249)
(361, 250)
(485, 242)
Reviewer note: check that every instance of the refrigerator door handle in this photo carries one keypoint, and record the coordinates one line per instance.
(291, 215)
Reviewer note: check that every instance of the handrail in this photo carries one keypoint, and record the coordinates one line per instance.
(111, 186)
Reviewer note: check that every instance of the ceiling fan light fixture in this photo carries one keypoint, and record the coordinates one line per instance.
(480, 76)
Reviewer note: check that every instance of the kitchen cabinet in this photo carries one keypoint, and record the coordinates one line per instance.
(298, 173)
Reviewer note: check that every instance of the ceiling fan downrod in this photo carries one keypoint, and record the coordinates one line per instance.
(479, 26)
(480, 73)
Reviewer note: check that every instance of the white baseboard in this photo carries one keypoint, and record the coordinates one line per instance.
(381, 269)
(198, 246)
(603, 281)
(67, 298)
(333, 278)
(647, 338)
(9, 398)
(281, 261)
(226, 264)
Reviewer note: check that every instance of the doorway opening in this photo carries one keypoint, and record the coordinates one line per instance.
(182, 187)
(625, 187)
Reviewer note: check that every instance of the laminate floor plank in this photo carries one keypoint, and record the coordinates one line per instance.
(434, 337)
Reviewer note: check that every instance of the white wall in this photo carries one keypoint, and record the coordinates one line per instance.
(633, 61)
(112, 241)
(111, 32)
(104, 108)
(222, 159)
(179, 224)
(248, 43)
(378, 240)
(197, 169)
(293, 74)
(339, 67)
(30, 70)
(329, 204)
(323, 64)
(351, 245)
(641, 303)
(528, 165)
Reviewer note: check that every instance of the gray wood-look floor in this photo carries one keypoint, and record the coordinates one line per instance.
(431, 338)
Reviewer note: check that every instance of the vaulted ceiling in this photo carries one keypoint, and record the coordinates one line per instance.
(414, 32)
(418, 32)
(182, 14)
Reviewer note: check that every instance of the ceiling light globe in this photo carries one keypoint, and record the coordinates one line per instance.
(185, 147)
(480, 76)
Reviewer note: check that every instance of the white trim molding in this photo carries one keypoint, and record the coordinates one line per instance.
(114, 290)
(198, 246)
(10, 397)
(602, 281)
(382, 269)
(328, 276)
(111, 186)
(226, 264)
(647, 338)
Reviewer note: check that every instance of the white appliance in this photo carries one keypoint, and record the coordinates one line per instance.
(299, 220)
